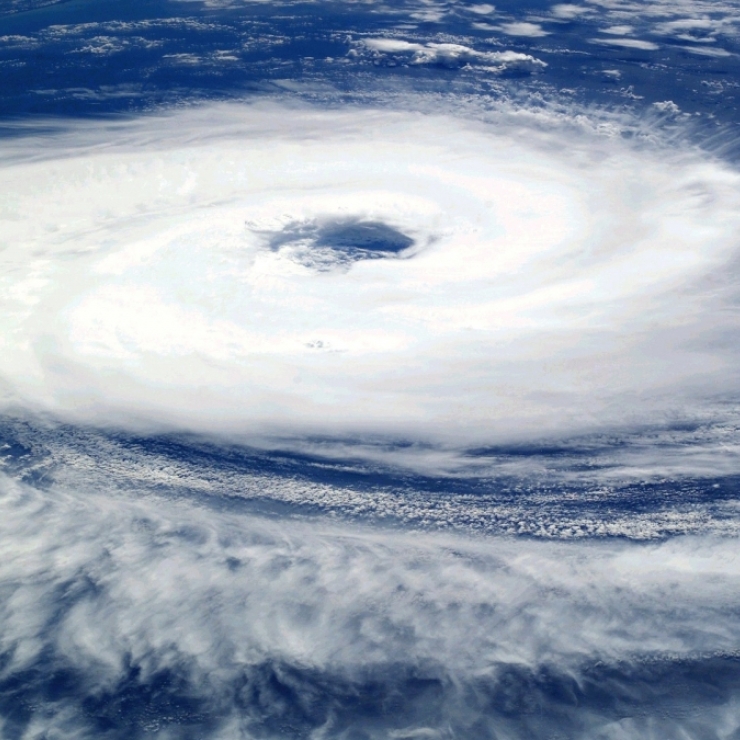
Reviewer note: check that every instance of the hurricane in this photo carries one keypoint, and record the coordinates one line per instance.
(369, 370)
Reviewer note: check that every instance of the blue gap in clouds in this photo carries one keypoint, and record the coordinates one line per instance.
(275, 698)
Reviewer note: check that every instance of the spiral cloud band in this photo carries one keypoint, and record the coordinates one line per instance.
(289, 271)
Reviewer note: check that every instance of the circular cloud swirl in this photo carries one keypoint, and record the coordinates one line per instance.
(170, 271)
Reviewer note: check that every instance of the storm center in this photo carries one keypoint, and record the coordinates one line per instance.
(325, 245)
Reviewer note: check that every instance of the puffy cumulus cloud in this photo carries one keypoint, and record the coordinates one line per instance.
(666, 8)
(197, 270)
(482, 9)
(694, 21)
(16, 41)
(452, 55)
(569, 11)
(618, 30)
(684, 25)
(667, 106)
(392, 46)
(107, 45)
(138, 617)
(699, 31)
(523, 28)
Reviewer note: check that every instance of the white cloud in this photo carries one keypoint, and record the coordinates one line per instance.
(697, 30)
(17, 41)
(689, 24)
(707, 51)
(667, 106)
(547, 295)
(453, 55)
(533, 30)
(568, 11)
(618, 30)
(483, 9)
(392, 46)
(682, 26)
(628, 43)
(665, 9)
(99, 585)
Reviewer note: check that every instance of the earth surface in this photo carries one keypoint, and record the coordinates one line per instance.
(369, 370)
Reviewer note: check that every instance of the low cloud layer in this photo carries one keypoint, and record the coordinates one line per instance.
(452, 55)
(125, 618)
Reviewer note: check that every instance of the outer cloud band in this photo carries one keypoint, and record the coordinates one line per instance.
(127, 618)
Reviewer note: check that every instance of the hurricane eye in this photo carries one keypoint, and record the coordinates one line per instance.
(363, 236)
(326, 245)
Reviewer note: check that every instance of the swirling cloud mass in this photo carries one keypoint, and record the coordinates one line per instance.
(540, 284)
(371, 373)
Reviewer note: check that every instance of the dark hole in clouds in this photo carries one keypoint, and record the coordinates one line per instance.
(368, 236)
(328, 244)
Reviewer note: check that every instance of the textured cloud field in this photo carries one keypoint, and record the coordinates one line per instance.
(138, 617)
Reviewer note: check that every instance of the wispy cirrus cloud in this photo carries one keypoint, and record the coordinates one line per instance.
(196, 620)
